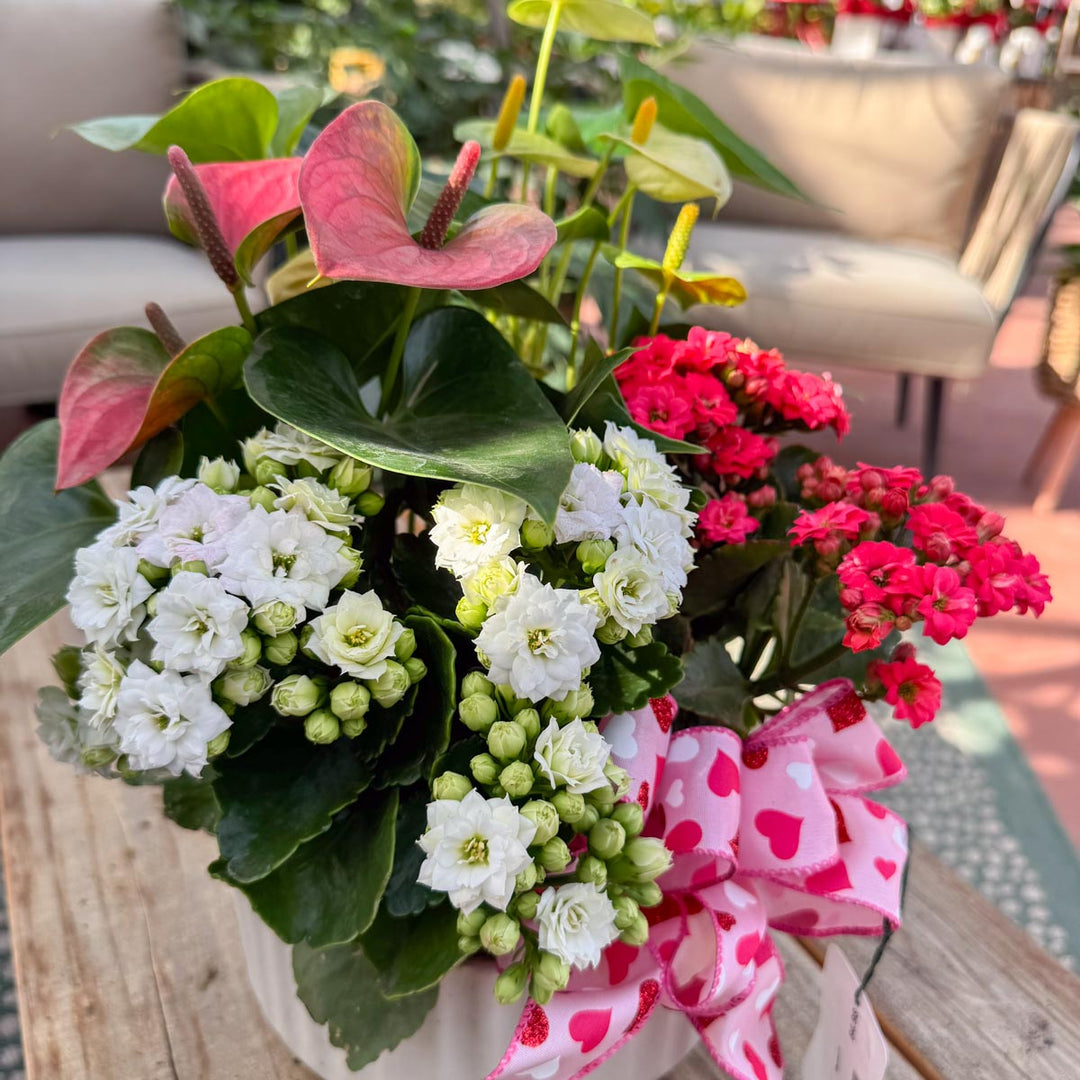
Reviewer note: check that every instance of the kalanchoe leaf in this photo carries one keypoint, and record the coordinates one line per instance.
(122, 389)
(712, 684)
(254, 203)
(190, 801)
(404, 894)
(516, 298)
(725, 570)
(357, 184)
(528, 146)
(597, 367)
(601, 20)
(414, 953)
(626, 678)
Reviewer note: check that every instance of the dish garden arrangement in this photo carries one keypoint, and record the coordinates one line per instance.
(478, 606)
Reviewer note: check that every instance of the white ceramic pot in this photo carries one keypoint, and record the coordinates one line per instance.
(463, 1038)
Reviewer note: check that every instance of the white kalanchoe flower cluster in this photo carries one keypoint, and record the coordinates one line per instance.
(209, 595)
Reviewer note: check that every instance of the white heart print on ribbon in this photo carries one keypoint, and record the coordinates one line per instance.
(802, 773)
(619, 732)
(684, 748)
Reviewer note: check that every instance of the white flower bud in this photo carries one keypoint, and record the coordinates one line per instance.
(275, 617)
(219, 475)
(242, 686)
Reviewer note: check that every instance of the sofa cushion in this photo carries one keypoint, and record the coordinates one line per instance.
(63, 61)
(888, 151)
(836, 300)
(57, 292)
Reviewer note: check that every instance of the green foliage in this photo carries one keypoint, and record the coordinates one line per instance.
(42, 531)
(712, 686)
(412, 954)
(190, 801)
(725, 571)
(625, 678)
(404, 894)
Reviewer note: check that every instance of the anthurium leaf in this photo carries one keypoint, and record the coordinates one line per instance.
(357, 183)
(724, 571)
(42, 531)
(340, 988)
(162, 456)
(712, 684)
(533, 147)
(230, 119)
(470, 411)
(261, 239)
(426, 732)
(295, 277)
(563, 128)
(597, 367)
(687, 287)
(296, 106)
(670, 167)
(625, 678)
(412, 954)
(282, 792)
(601, 20)
(190, 801)
(588, 223)
(329, 890)
(122, 389)
(516, 298)
(681, 111)
(404, 894)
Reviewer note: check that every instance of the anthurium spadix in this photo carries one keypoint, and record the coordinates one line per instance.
(359, 180)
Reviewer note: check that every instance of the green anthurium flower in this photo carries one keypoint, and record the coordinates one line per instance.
(687, 287)
(523, 145)
(601, 20)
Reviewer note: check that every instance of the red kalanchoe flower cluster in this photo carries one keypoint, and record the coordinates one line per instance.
(726, 520)
(911, 688)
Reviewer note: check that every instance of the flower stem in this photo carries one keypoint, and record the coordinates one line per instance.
(598, 176)
(389, 379)
(658, 307)
(536, 99)
(796, 623)
(626, 205)
(790, 678)
(244, 308)
(493, 176)
(290, 246)
(575, 322)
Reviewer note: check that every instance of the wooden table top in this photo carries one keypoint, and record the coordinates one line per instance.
(129, 965)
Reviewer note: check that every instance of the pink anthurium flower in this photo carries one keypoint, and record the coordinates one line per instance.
(359, 180)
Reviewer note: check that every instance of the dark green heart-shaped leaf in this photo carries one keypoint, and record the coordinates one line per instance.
(42, 531)
(625, 678)
(516, 298)
(601, 20)
(340, 987)
(597, 367)
(425, 584)
(329, 891)
(681, 111)
(250, 724)
(162, 456)
(190, 801)
(296, 106)
(404, 894)
(230, 119)
(712, 684)
(283, 791)
(469, 412)
(588, 223)
(414, 953)
(261, 239)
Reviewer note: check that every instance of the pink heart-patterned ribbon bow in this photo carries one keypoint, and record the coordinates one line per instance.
(773, 833)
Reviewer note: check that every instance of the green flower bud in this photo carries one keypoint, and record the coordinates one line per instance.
(517, 781)
(97, 757)
(641, 638)
(527, 903)
(350, 477)
(500, 934)
(590, 868)
(305, 469)
(264, 497)
(350, 701)
(470, 615)
(529, 719)
(484, 768)
(584, 702)
(554, 855)
(405, 645)
(451, 785)
(305, 637)
(586, 447)
(630, 816)
(195, 566)
(154, 574)
(611, 633)
(541, 813)
(280, 650)
(415, 668)
(322, 727)
(252, 649)
(626, 911)
(603, 799)
(389, 688)
(619, 778)
(478, 712)
(541, 991)
(242, 686)
(570, 807)
(218, 745)
(594, 554)
(298, 695)
(577, 703)
(510, 701)
(536, 534)
(637, 933)
(644, 858)
(510, 985)
(220, 475)
(506, 739)
(589, 817)
(552, 970)
(351, 728)
(151, 607)
(526, 880)
(606, 838)
(352, 575)
(468, 945)
(476, 682)
(369, 504)
(646, 893)
(267, 471)
(275, 617)
(469, 925)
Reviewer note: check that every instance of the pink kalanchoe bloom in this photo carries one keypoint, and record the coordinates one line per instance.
(948, 606)
(359, 180)
(709, 399)
(1034, 592)
(726, 520)
(663, 407)
(764, 373)
(738, 452)
(880, 571)
(868, 626)
(910, 687)
(992, 576)
(839, 519)
(940, 532)
(703, 350)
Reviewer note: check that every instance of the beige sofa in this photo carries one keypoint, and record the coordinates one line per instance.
(83, 244)
(902, 262)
